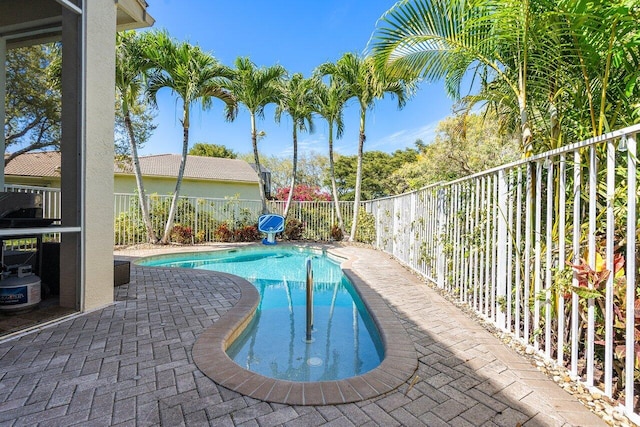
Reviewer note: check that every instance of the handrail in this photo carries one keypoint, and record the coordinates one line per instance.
(309, 325)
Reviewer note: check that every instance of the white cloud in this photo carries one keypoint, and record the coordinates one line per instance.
(316, 142)
(405, 138)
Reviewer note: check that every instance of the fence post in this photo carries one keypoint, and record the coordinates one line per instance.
(501, 245)
(631, 271)
(412, 258)
(195, 220)
(440, 226)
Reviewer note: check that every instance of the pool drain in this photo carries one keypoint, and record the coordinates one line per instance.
(314, 361)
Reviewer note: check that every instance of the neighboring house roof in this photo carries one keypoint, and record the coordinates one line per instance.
(39, 163)
(210, 168)
(47, 163)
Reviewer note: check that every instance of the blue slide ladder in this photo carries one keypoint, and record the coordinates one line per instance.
(270, 224)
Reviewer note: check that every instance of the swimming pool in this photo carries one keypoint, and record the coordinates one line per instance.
(346, 342)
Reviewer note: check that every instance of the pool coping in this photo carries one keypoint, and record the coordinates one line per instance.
(398, 366)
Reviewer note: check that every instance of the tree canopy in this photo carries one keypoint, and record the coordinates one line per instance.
(33, 100)
(464, 144)
(377, 168)
(212, 150)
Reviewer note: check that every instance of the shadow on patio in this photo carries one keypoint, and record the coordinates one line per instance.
(131, 364)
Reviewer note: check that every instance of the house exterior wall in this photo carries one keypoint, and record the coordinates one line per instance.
(190, 187)
(160, 185)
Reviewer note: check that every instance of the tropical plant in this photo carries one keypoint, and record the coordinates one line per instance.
(366, 83)
(336, 232)
(247, 233)
(255, 88)
(182, 234)
(193, 76)
(130, 80)
(332, 98)
(591, 285)
(297, 98)
(537, 62)
(440, 39)
(603, 57)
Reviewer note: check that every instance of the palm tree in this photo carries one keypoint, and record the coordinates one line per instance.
(440, 39)
(366, 83)
(603, 57)
(297, 99)
(541, 62)
(331, 101)
(192, 75)
(255, 88)
(130, 76)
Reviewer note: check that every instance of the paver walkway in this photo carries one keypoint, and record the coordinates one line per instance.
(131, 364)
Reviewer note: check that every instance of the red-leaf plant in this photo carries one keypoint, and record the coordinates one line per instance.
(591, 284)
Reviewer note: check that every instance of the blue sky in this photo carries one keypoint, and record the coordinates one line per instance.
(298, 35)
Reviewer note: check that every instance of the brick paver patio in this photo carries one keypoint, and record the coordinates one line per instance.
(131, 364)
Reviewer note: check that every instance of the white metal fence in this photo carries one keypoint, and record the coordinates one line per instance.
(317, 217)
(545, 248)
(204, 217)
(200, 215)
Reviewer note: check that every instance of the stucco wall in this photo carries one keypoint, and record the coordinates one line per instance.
(99, 152)
(192, 188)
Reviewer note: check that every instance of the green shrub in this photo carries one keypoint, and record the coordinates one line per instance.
(293, 229)
(128, 230)
(366, 232)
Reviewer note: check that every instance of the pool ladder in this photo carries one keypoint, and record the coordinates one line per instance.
(309, 339)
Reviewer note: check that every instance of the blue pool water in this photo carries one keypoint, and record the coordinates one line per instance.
(346, 341)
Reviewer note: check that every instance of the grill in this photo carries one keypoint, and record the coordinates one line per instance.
(20, 210)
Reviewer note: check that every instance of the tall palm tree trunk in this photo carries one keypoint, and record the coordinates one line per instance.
(334, 187)
(356, 202)
(151, 234)
(294, 171)
(176, 192)
(256, 159)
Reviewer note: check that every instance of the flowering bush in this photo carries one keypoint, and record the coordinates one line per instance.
(304, 193)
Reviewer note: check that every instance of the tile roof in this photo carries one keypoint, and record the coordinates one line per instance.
(39, 163)
(210, 168)
(47, 163)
